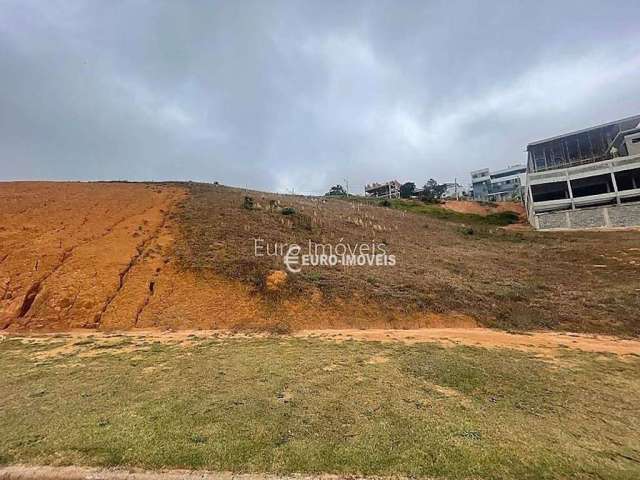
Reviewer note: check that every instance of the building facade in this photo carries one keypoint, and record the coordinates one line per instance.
(501, 185)
(585, 179)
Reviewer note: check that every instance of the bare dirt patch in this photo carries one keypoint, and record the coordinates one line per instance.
(483, 337)
(69, 251)
(27, 472)
(87, 342)
(102, 255)
(484, 208)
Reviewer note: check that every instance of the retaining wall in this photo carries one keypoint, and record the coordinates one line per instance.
(624, 215)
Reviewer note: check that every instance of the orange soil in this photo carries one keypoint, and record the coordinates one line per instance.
(466, 206)
(484, 337)
(68, 248)
(99, 255)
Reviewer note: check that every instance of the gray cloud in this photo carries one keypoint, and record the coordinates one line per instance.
(281, 95)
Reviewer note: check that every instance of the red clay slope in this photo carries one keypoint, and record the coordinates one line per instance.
(100, 255)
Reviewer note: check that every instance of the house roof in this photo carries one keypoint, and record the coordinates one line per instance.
(635, 118)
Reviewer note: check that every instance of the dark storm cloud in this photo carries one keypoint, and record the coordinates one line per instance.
(282, 95)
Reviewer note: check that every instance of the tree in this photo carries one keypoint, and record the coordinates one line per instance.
(432, 191)
(407, 190)
(336, 190)
(516, 194)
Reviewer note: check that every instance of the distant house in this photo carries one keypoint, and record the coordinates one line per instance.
(390, 189)
(500, 185)
(456, 191)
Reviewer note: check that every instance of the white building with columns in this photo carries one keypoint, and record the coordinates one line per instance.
(586, 179)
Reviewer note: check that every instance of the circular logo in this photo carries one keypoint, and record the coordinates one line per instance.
(292, 258)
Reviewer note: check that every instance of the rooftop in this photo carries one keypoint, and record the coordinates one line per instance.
(633, 118)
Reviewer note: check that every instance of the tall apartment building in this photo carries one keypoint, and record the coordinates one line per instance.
(588, 178)
(498, 186)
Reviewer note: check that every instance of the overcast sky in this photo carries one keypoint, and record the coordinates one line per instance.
(301, 95)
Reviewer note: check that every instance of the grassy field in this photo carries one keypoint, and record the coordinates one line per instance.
(436, 211)
(306, 405)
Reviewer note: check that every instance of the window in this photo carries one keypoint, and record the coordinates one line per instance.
(550, 191)
(628, 179)
(596, 185)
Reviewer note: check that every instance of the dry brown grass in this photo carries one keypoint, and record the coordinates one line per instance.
(579, 281)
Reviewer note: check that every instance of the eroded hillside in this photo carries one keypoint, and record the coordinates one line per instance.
(121, 256)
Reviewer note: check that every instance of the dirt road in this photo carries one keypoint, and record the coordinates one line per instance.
(539, 342)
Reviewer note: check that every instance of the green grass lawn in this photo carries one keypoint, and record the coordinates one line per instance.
(293, 405)
(437, 211)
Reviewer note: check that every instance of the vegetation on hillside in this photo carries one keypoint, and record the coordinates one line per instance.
(446, 262)
(435, 210)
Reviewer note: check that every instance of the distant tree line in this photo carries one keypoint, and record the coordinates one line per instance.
(431, 192)
(336, 190)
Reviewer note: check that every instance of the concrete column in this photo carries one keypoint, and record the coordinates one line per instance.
(615, 184)
(605, 214)
(573, 205)
(530, 193)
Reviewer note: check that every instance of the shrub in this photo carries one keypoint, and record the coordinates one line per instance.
(248, 203)
(502, 218)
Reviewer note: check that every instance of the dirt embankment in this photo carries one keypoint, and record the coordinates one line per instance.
(101, 255)
(484, 208)
(449, 268)
(93, 255)
(180, 256)
(68, 250)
